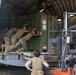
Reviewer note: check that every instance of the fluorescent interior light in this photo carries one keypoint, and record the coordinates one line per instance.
(41, 10)
(59, 19)
(71, 15)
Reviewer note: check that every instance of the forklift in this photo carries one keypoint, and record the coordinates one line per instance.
(67, 61)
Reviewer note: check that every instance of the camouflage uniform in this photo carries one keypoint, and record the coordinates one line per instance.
(7, 37)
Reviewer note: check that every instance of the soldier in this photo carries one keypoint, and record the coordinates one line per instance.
(21, 44)
(7, 37)
(18, 35)
(37, 61)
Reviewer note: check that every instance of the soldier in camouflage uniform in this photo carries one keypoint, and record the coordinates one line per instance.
(7, 37)
(18, 35)
(21, 44)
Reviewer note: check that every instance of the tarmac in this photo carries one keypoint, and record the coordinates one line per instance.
(11, 70)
